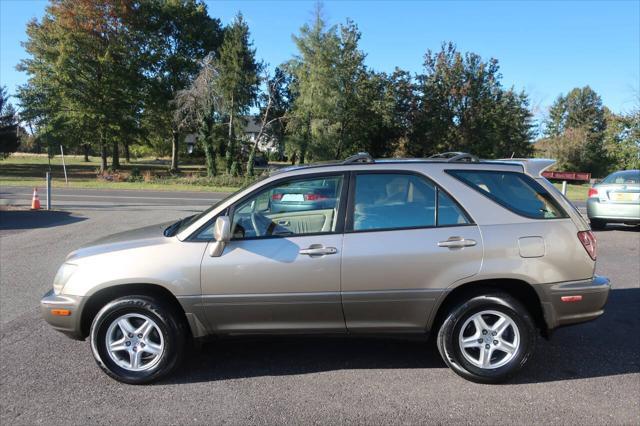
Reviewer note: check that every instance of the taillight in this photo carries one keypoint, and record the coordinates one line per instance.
(314, 197)
(593, 192)
(276, 197)
(588, 241)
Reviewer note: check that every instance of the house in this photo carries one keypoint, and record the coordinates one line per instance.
(251, 132)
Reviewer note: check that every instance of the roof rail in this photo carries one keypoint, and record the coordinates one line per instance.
(453, 157)
(361, 157)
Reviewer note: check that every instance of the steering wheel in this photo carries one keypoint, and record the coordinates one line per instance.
(259, 222)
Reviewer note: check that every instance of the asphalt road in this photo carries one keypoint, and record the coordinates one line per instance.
(92, 199)
(587, 374)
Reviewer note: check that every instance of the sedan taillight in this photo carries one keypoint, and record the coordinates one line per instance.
(314, 197)
(593, 192)
(588, 241)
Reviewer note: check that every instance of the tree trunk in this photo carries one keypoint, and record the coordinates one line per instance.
(207, 137)
(210, 154)
(86, 152)
(115, 156)
(174, 152)
(103, 155)
(230, 155)
(340, 142)
(251, 161)
(127, 154)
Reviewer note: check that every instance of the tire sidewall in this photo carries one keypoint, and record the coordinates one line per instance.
(135, 305)
(452, 353)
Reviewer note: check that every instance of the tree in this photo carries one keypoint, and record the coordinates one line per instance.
(84, 68)
(239, 82)
(179, 34)
(622, 140)
(333, 92)
(579, 112)
(272, 112)
(9, 125)
(405, 107)
(569, 149)
(580, 108)
(198, 109)
(309, 123)
(275, 105)
(462, 106)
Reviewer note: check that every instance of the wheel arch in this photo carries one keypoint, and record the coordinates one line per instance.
(97, 300)
(521, 290)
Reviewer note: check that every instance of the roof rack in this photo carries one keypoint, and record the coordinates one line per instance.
(361, 157)
(453, 157)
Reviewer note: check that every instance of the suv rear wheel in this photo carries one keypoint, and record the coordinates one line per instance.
(137, 339)
(487, 338)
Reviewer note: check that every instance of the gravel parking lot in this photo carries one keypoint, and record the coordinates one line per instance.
(587, 374)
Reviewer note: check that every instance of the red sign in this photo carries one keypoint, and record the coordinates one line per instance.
(581, 176)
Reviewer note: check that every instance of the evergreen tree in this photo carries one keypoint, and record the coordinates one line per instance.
(198, 108)
(9, 125)
(239, 83)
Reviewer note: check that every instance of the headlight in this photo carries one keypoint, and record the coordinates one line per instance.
(63, 275)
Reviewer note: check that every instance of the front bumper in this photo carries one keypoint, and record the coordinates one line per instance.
(69, 325)
(557, 313)
(614, 212)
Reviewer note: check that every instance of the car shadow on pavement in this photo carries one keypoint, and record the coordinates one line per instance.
(619, 227)
(276, 356)
(606, 347)
(32, 219)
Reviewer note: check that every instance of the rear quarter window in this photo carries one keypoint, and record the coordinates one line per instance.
(516, 192)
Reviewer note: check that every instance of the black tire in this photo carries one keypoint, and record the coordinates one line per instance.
(597, 224)
(168, 323)
(448, 336)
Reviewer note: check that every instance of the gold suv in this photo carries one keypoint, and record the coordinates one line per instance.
(484, 255)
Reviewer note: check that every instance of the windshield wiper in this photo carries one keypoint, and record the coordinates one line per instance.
(171, 230)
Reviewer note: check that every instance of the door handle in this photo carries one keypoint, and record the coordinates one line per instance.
(318, 251)
(457, 242)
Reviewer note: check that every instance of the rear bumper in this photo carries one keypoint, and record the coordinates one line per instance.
(557, 313)
(69, 325)
(622, 212)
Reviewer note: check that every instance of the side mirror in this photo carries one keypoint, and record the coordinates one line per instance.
(222, 234)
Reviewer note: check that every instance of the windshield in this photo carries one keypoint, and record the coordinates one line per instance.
(625, 177)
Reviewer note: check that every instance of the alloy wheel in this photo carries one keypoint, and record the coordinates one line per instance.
(134, 342)
(489, 339)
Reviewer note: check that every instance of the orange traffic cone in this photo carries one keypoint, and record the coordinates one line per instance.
(35, 202)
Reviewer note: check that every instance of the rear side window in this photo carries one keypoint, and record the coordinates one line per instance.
(400, 201)
(515, 191)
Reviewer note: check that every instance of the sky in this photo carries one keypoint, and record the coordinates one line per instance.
(545, 48)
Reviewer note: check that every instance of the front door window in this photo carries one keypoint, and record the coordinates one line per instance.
(299, 207)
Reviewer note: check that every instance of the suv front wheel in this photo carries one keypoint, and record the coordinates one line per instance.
(137, 339)
(487, 338)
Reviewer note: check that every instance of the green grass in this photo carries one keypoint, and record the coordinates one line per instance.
(575, 192)
(30, 170)
(96, 184)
